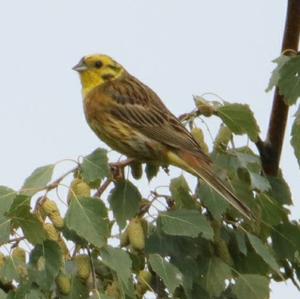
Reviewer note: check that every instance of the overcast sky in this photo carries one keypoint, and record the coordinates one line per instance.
(179, 48)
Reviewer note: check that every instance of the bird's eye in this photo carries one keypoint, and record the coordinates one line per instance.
(98, 64)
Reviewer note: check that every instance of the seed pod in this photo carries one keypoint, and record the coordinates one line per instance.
(22, 271)
(83, 266)
(144, 281)
(57, 220)
(124, 240)
(136, 170)
(49, 207)
(40, 214)
(136, 234)
(112, 290)
(204, 107)
(51, 232)
(63, 284)
(78, 188)
(2, 260)
(223, 137)
(199, 137)
(19, 255)
(64, 248)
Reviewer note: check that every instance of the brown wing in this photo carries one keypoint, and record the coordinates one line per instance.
(137, 105)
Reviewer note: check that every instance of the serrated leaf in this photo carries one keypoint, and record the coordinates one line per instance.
(46, 260)
(289, 80)
(124, 200)
(22, 217)
(8, 271)
(239, 119)
(37, 180)
(280, 190)
(285, 240)
(35, 294)
(95, 166)
(214, 280)
(7, 197)
(170, 275)
(181, 193)
(295, 140)
(251, 286)
(263, 251)
(3, 295)
(212, 200)
(119, 261)
(281, 60)
(32, 228)
(259, 182)
(272, 212)
(87, 217)
(188, 223)
(241, 242)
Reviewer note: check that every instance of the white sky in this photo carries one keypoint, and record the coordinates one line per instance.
(179, 48)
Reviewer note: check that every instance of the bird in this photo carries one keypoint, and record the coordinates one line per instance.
(131, 118)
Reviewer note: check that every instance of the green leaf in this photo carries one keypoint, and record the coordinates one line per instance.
(88, 218)
(7, 196)
(188, 223)
(95, 166)
(181, 193)
(216, 273)
(35, 294)
(295, 141)
(281, 60)
(32, 228)
(251, 286)
(21, 217)
(46, 260)
(212, 200)
(8, 271)
(3, 295)
(263, 251)
(258, 182)
(124, 200)
(119, 261)
(37, 180)
(285, 240)
(170, 275)
(280, 190)
(151, 170)
(239, 119)
(289, 81)
(272, 212)
(241, 242)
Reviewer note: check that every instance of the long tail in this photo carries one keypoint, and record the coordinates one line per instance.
(203, 169)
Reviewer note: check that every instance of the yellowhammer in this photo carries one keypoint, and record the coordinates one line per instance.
(130, 117)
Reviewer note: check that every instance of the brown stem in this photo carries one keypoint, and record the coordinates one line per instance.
(270, 150)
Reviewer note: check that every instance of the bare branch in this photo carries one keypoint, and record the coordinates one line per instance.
(270, 150)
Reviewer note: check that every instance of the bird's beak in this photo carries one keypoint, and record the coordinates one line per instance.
(80, 66)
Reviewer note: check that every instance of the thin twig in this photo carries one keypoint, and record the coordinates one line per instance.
(103, 187)
(55, 183)
(93, 270)
(15, 240)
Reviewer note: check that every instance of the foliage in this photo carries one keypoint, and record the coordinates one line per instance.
(186, 244)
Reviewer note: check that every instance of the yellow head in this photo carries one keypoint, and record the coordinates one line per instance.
(94, 70)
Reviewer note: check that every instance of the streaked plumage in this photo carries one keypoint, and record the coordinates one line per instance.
(130, 117)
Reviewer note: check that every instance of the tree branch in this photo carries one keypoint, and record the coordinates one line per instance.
(270, 150)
